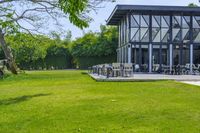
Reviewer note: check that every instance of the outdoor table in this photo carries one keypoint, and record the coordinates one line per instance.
(166, 69)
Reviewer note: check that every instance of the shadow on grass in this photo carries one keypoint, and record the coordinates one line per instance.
(84, 73)
(20, 99)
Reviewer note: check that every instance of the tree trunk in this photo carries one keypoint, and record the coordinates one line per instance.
(8, 53)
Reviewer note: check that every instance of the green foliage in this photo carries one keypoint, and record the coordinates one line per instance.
(59, 57)
(95, 48)
(96, 44)
(42, 52)
(39, 52)
(27, 48)
(75, 9)
(193, 5)
(85, 62)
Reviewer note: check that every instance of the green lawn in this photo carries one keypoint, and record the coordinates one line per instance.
(70, 101)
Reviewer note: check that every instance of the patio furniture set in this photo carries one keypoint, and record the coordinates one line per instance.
(113, 70)
(127, 69)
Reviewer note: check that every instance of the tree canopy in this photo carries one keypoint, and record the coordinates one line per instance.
(32, 52)
(192, 5)
(96, 44)
(33, 15)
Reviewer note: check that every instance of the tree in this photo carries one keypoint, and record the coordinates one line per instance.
(192, 5)
(39, 52)
(99, 44)
(31, 15)
(96, 47)
(26, 48)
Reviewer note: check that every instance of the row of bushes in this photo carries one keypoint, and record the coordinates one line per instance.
(85, 62)
(42, 52)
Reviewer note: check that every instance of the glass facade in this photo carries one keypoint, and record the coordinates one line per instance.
(139, 28)
(155, 33)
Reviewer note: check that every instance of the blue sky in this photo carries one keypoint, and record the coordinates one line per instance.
(103, 13)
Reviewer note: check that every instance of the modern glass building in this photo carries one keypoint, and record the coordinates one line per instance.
(157, 35)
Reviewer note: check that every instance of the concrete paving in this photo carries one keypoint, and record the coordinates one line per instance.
(192, 82)
(148, 77)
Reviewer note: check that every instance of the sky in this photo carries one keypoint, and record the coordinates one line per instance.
(103, 13)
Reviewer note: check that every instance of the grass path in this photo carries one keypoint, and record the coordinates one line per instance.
(70, 101)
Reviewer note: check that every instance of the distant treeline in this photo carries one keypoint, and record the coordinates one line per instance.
(35, 52)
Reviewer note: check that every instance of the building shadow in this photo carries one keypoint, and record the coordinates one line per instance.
(20, 99)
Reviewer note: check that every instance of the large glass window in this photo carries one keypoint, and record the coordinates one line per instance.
(165, 24)
(176, 55)
(160, 28)
(135, 55)
(164, 54)
(124, 30)
(144, 36)
(181, 54)
(196, 29)
(156, 28)
(185, 54)
(156, 58)
(140, 28)
(159, 57)
(145, 58)
(135, 26)
(185, 29)
(196, 54)
(176, 28)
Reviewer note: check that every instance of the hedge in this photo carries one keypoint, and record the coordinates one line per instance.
(50, 62)
(85, 62)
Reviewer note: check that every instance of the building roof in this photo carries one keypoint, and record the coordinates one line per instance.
(121, 10)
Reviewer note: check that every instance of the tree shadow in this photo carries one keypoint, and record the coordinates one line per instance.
(84, 73)
(20, 99)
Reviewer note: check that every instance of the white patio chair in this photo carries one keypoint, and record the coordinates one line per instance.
(156, 67)
(116, 69)
(195, 69)
(128, 69)
(99, 69)
(104, 69)
(137, 67)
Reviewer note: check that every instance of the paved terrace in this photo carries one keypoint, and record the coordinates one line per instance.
(147, 77)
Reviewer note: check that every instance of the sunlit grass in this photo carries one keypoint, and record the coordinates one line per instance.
(70, 101)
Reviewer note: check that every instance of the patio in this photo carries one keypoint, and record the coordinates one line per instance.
(146, 77)
(129, 72)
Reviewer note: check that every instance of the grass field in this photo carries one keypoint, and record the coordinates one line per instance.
(70, 101)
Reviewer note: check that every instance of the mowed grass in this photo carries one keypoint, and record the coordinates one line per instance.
(70, 101)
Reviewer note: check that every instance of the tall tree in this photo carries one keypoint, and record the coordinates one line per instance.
(192, 5)
(32, 15)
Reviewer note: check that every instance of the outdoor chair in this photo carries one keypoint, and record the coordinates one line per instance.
(166, 69)
(182, 69)
(137, 68)
(116, 69)
(195, 69)
(92, 69)
(106, 70)
(103, 70)
(144, 67)
(177, 69)
(156, 67)
(128, 69)
(99, 69)
(198, 67)
(187, 68)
